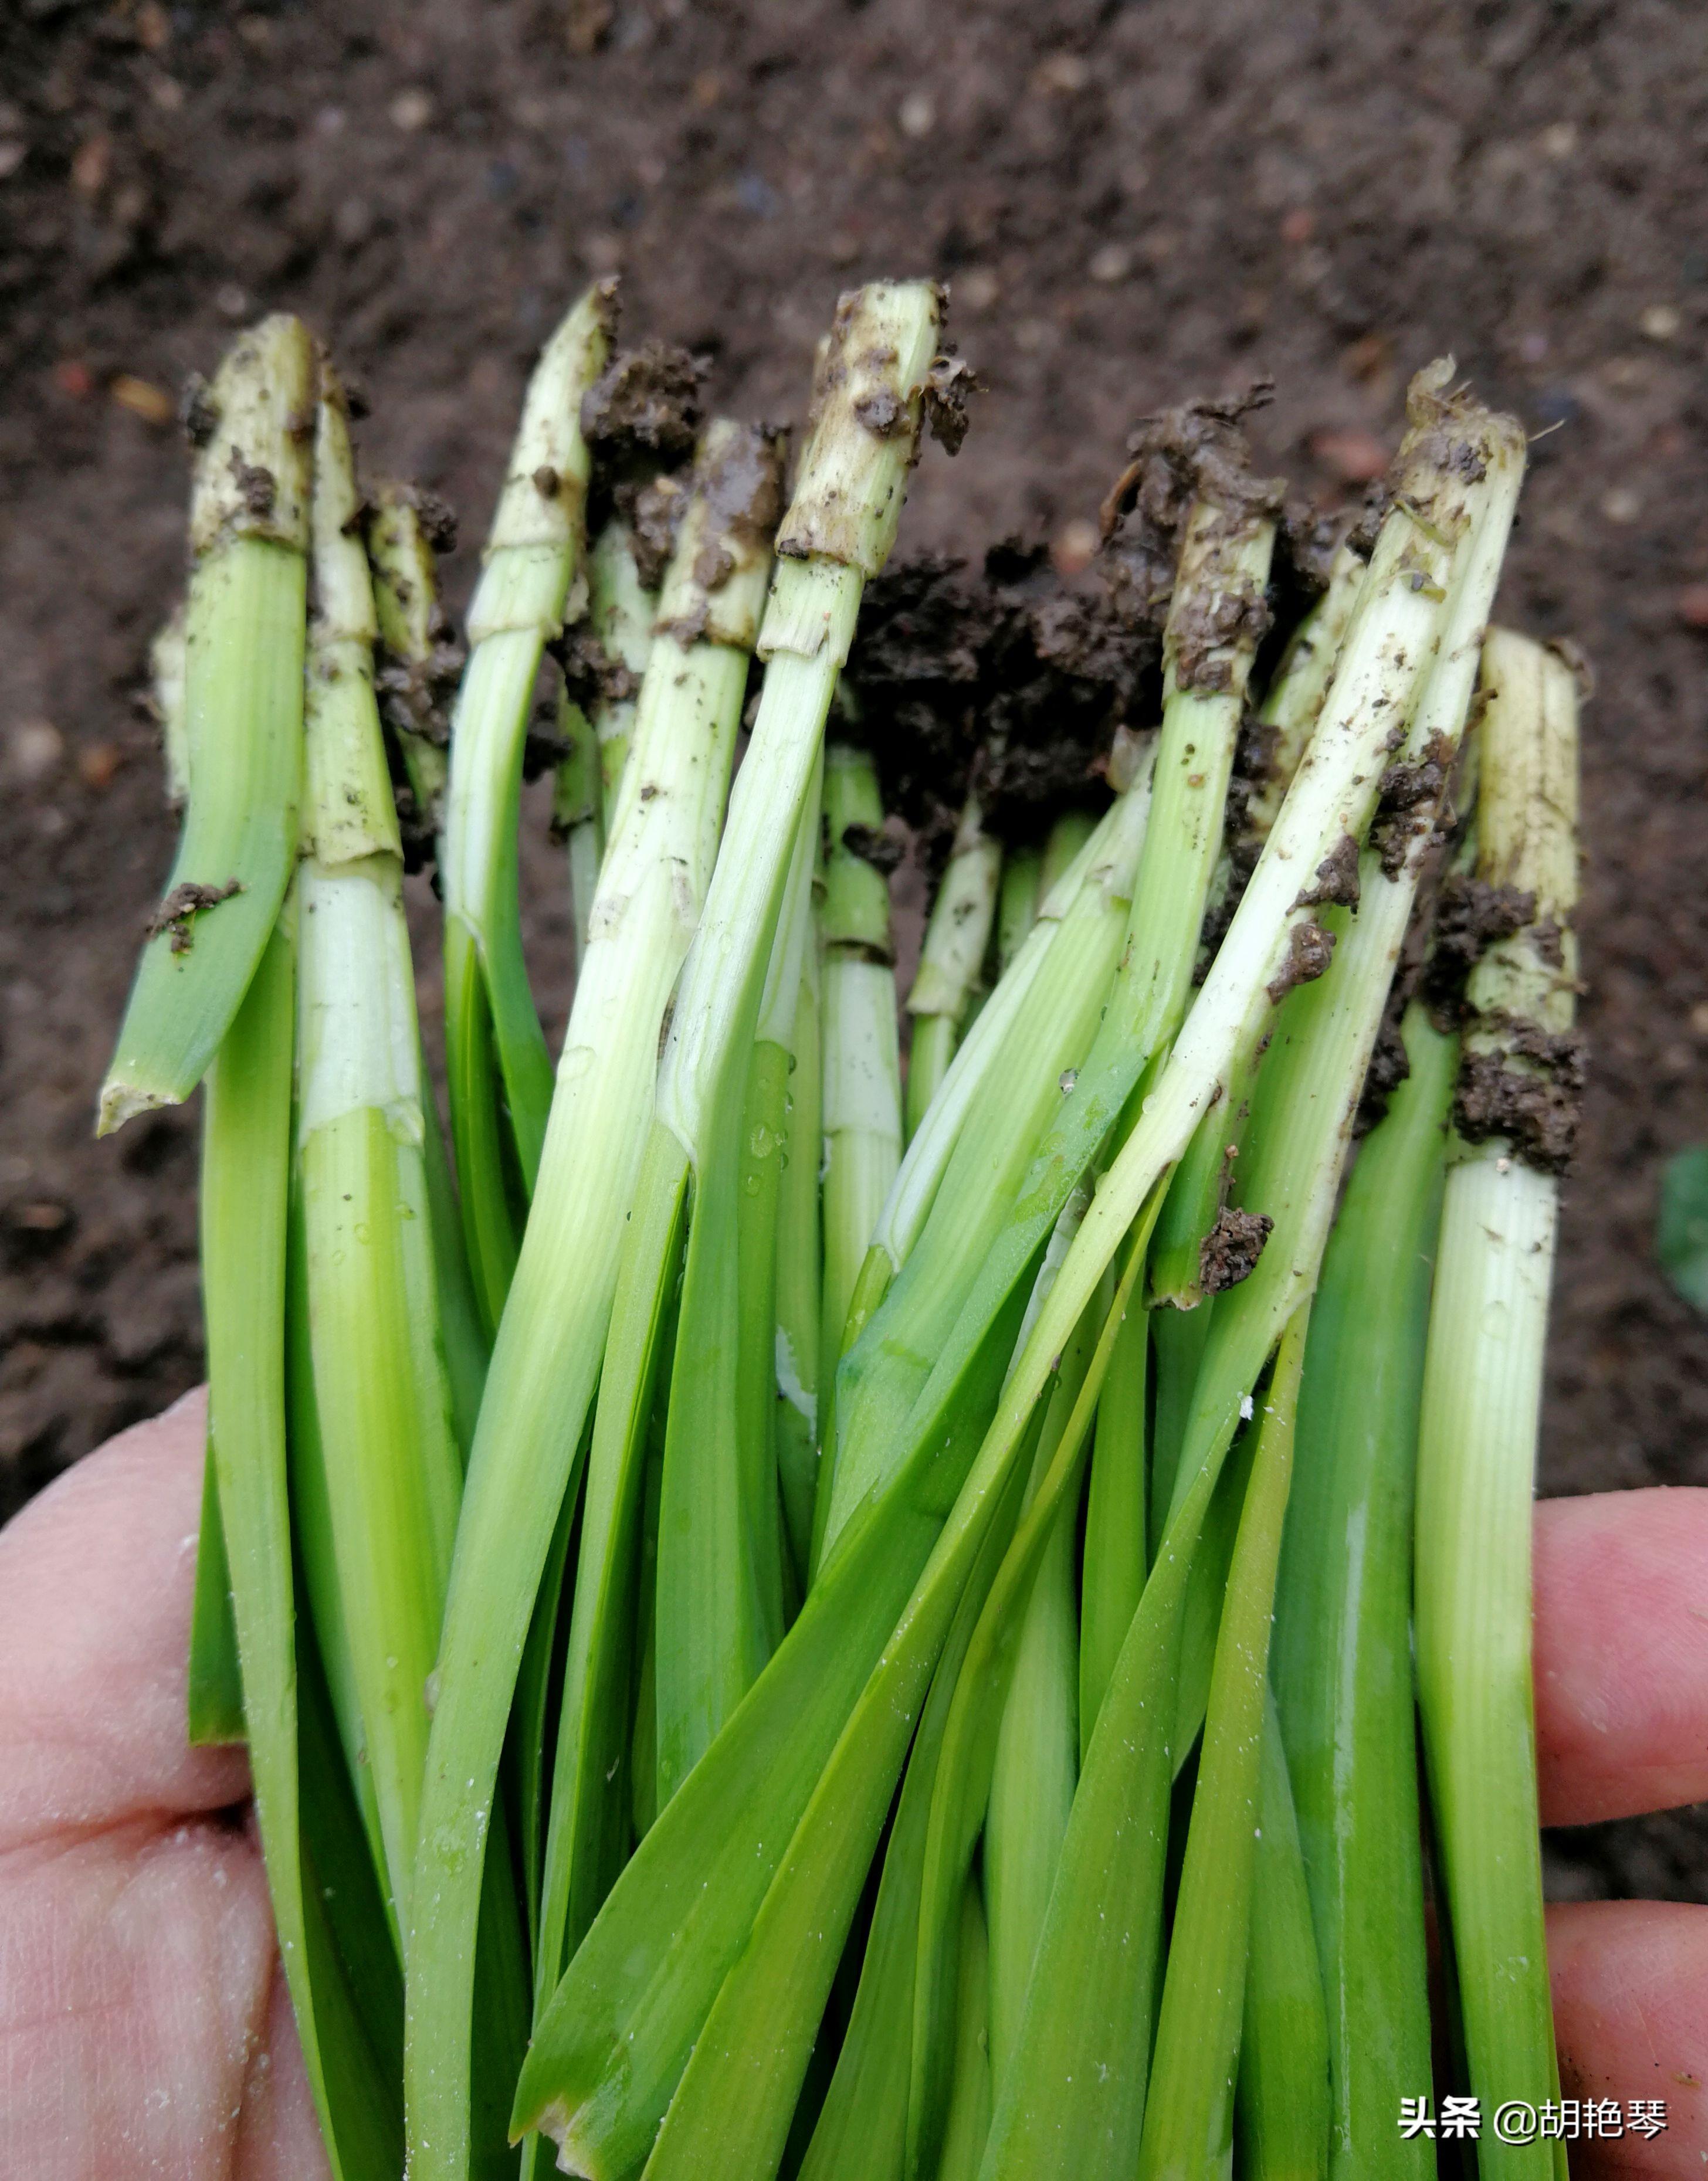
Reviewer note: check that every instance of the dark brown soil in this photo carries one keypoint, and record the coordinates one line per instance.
(1229, 1252)
(1134, 205)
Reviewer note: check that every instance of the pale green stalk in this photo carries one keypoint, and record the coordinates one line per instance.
(862, 1094)
(1281, 2104)
(1067, 836)
(466, 1350)
(763, 1245)
(500, 1077)
(546, 1362)
(1087, 911)
(381, 1395)
(577, 818)
(214, 1706)
(1482, 1391)
(800, 1269)
(343, 1829)
(929, 1051)
(416, 670)
(1343, 1642)
(244, 636)
(348, 814)
(1116, 1555)
(316, 1553)
(839, 529)
(1036, 1763)
(1213, 1556)
(418, 663)
(621, 611)
(1178, 1340)
(618, 634)
(1017, 905)
(642, 1801)
(320, 1374)
(719, 1547)
(1031, 874)
(957, 934)
(244, 1192)
(1300, 686)
(1189, 2118)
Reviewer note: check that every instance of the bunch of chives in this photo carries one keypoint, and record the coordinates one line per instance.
(1308, 1087)
(809, 1694)
(753, 2008)
(546, 1360)
(772, 1575)
(838, 527)
(1076, 2101)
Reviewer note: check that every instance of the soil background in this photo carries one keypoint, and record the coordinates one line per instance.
(1132, 204)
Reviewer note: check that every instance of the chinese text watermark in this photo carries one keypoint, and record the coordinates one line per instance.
(1563, 2120)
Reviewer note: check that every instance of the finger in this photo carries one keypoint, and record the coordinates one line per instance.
(136, 1963)
(1630, 1982)
(278, 2135)
(95, 1579)
(1622, 1654)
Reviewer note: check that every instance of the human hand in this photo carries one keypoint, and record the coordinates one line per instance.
(145, 2027)
(1622, 1726)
